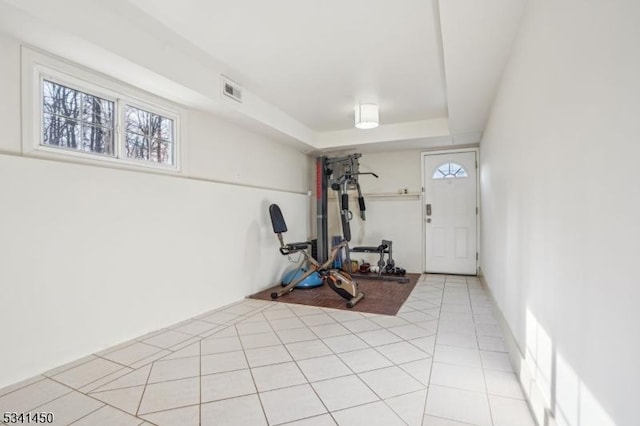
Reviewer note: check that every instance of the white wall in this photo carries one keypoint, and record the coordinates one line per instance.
(393, 218)
(93, 256)
(560, 220)
(10, 100)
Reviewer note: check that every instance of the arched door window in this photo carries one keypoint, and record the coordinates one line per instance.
(449, 171)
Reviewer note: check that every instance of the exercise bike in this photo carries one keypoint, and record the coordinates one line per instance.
(339, 281)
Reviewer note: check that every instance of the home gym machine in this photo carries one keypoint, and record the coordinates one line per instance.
(341, 174)
(339, 282)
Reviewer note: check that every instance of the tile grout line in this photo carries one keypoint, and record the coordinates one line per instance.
(86, 389)
(435, 341)
(264, 413)
(72, 390)
(340, 359)
(484, 377)
(458, 421)
(337, 354)
(88, 414)
(70, 365)
(144, 390)
(300, 369)
(165, 381)
(133, 362)
(43, 377)
(200, 383)
(369, 347)
(426, 386)
(104, 404)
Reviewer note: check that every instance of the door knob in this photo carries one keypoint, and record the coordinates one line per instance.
(428, 220)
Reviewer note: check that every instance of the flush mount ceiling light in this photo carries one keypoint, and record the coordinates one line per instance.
(366, 116)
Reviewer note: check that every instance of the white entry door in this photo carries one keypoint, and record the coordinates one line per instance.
(450, 213)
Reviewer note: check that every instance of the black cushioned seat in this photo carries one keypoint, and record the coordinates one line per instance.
(370, 249)
(298, 246)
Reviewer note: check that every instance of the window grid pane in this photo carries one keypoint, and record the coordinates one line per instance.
(97, 111)
(76, 120)
(162, 151)
(149, 136)
(97, 140)
(60, 100)
(60, 131)
(449, 171)
(137, 147)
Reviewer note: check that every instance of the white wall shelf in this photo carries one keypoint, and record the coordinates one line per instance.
(385, 195)
(409, 195)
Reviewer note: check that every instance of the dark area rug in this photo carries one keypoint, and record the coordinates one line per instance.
(381, 297)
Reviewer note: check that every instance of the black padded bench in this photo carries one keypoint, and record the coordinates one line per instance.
(385, 248)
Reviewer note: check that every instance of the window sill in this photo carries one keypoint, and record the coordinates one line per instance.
(53, 154)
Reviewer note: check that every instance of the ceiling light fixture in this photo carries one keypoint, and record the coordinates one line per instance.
(366, 116)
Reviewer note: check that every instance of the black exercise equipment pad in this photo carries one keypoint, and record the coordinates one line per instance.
(298, 246)
(277, 220)
(370, 249)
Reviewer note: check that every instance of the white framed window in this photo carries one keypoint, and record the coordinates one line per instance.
(82, 116)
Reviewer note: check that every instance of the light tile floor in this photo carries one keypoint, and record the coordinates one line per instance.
(440, 361)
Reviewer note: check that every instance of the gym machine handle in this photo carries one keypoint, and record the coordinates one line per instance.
(345, 216)
(362, 206)
(366, 173)
(363, 215)
(344, 205)
(346, 228)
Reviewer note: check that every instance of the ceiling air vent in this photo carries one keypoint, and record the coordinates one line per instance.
(231, 89)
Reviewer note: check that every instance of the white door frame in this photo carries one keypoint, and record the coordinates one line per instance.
(424, 154)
